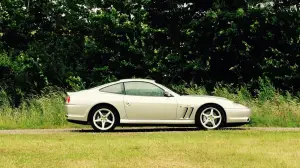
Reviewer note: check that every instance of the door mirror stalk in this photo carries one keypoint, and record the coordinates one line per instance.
(167, 94)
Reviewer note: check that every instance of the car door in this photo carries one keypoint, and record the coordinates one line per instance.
(146, 101)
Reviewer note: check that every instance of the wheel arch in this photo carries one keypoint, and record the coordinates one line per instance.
(102, 105)
(212, 104)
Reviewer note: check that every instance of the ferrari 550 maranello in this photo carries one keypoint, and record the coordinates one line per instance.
(144, 102)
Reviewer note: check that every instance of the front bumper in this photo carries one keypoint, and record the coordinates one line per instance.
(238, 115)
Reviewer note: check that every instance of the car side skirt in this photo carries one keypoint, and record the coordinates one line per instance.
(126, 121)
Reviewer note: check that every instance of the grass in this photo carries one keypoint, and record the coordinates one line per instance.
(42, 112)
(270, 108)
(229, 148)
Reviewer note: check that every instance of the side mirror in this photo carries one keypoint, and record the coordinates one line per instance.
(167, 94)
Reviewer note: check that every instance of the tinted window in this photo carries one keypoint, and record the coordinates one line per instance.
(143, 89)
(116, 88)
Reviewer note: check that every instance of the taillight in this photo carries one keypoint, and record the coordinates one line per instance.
(68, 99)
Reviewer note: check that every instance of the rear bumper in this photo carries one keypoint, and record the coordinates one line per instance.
(238, 115)
(74, 113)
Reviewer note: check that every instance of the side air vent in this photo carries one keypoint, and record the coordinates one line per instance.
(192, 110)
(188, 111)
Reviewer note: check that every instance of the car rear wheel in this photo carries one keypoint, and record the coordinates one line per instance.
(104, 119)
(210, 117)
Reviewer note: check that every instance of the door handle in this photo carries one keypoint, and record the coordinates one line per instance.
(127, 103)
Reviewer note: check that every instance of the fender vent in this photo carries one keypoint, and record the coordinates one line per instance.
(192, 110)
(188, 111)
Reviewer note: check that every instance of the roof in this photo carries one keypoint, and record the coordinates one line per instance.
(137, 80)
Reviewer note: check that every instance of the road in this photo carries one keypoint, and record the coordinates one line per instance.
(138, 129)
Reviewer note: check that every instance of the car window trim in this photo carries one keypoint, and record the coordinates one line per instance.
(142, 82)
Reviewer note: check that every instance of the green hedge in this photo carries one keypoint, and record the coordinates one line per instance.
(76, 44)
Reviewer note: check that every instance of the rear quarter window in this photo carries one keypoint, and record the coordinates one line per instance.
(116, 89)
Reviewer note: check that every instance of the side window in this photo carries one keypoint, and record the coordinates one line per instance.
(116, 88)
(143, 89)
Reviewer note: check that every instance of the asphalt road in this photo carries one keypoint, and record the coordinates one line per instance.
(138, 129)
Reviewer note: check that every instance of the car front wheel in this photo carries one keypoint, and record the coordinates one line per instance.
(210, 117)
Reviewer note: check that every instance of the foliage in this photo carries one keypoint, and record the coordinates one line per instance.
(80, 44)
(39, 112)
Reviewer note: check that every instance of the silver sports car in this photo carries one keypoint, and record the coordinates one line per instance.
(145, 102)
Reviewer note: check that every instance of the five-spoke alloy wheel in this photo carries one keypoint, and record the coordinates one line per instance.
(103, 119)
(210, 117)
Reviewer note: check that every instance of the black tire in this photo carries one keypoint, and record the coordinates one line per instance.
(104, 110)
(217, 111)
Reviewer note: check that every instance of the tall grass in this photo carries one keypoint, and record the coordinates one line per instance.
(40, 112)
(270, 108)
